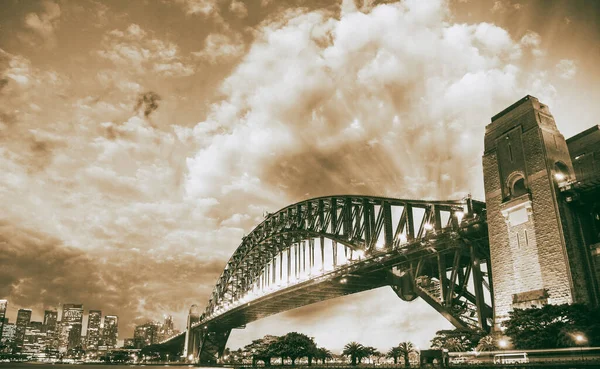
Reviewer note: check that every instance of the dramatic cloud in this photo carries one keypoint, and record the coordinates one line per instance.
(41, 272)
(219, 48)
(533, 41)
(133, 49)
(397, 128)
(205, 7)
(261, 105)
(238, 8)
(567, 69)
(44, 24)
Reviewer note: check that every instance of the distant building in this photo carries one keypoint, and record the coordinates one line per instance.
(167, 329)
(3, 307)
(23, 319)
(35, 339)
(146, 334)
(72, 319)
(93, 329)
(50, 327)
(8, 336)
(128, 343)
(35, 325)
(110, 332)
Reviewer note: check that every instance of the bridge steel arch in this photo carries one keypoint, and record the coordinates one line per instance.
(327, 247)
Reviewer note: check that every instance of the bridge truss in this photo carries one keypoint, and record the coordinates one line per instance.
(333, 246)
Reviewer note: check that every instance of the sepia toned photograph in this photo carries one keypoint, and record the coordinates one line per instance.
(333, 184)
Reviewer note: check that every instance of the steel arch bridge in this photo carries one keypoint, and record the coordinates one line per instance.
(328, 247)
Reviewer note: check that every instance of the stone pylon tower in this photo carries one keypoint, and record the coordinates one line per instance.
(537, 254)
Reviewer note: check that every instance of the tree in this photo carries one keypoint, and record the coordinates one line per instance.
(295, 345)
(354, 350)
(456, 340)
(261, 349)
(394, 353)
(323, 354)
(487, 343)
(406, 348)
(367, 352)
(553, 326)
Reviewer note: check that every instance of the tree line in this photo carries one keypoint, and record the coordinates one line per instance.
(294, 346)
(548, 327)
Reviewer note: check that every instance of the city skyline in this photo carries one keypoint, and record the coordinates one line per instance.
(138, 156)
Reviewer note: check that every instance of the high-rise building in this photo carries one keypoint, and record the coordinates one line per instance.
(110, 332)
(167, 328)
(50, 327)
(23, 319)
(50, 320)
(146, 334)
(3, 307)
(35, 339)
(72, 318)
(8, 336)
(93, 329)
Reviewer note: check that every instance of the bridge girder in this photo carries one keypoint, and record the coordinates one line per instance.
(357, 222)
(419, 248)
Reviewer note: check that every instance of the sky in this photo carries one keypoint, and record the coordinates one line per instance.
(140, 140)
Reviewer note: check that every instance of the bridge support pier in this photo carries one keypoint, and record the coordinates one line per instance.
(211, 346)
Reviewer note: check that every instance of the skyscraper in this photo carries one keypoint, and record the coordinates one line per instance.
(3, 306)
(93, 329)
(111, 330)
(23, 319)
(50, 320)
(8, 336)
(146, 334)
(72, 318)
(51, 329)
(167, 328)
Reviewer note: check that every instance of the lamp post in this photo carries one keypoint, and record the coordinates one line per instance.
(580, 340)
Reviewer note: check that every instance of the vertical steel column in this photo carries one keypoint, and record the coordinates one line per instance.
(304, 256)
(274, 278)
(410, 222)
(334, 253)
(367, 215)
(347, 219)
(289, 263)
(478, 286)
(280, 266)
(438, 218)
(388, 231)
(322, 253)
(297, 266)
(311, 251)
(441, 261)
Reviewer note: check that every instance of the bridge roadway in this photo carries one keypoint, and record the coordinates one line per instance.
(370, 273)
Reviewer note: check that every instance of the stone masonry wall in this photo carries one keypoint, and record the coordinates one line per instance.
(530, 256)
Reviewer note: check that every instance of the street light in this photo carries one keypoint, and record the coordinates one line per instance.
(580, 340)
(502, 343)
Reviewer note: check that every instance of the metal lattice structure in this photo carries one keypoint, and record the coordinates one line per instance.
(332, 246)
